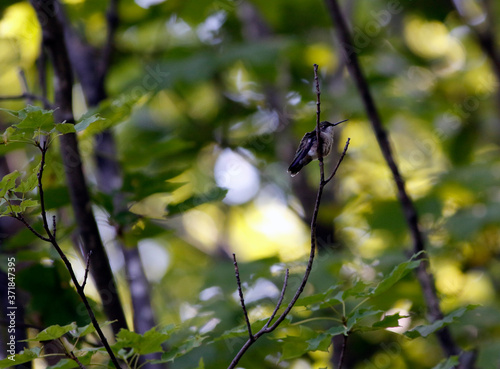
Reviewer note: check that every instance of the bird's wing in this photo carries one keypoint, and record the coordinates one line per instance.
(305, 145)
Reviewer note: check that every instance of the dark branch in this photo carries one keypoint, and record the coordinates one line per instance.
(342, 351)
(21, 219)
(282, 295)
(86, 270)
(51, 238)
(340, 161)
(27, 96)
(319, 139)
(242, 299)
(54, 226)
(423, 274)
(107, 51)
(50, 13)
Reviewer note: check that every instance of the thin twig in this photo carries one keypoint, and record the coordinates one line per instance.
(242, 300)
(54, 42)
(340, 161)
(300, 289)
(51, 238)
(21, 218)
(423, 271)
(54, 226)
(26, 96)
(24, 85)
(87, 268)
(319, 139)
(282, 295)
(73, 357)
(112, 19)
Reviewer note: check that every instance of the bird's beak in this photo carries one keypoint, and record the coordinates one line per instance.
(342, 121)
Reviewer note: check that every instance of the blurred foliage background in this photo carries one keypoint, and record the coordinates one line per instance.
(218, 93)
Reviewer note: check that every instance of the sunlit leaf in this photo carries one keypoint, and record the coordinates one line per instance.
(397, 273)
(29, 183)
(356, 316)
(388, 321)
(65, 128)
(86, 122)
(142, 344)
(8, 182)
(53, 332)
(216, 194)
(23, 357)
(318, 298)
(89, 328)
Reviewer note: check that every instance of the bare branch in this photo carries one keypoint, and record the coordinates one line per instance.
(112, 19)
(300, 289)
(73, 357)
(86, 270)
(282, 295)
(21, 218)
(242, 300)
(319, 139)
(26, 96)
(50, 13)
(423, 273)
(340, 161)
(54, 225)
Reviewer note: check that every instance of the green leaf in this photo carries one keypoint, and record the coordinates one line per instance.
(35, 118)
(142, 344)
(355, 290)
(8, 182)
(323, 341)
(216, 194)
(140, 185)
(28, 204)
(296, 346)
(53, 332)
(319, 298)
(356, 316)
(428, 329)
(177, 351)
(86, 122)
(448, 363)
(8, 134)
(388, 321)
(88, 329)
(397, 273)
(29, 183)
(64, 128)
(84, 357)
(23, 357)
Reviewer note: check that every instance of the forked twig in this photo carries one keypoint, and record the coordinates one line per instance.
(43, 147)
(300, 289)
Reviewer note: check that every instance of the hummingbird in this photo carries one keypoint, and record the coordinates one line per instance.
(308, 147)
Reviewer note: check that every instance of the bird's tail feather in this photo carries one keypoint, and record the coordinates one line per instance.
(298, 164)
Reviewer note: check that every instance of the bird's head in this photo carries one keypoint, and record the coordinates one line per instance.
(324, 124)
